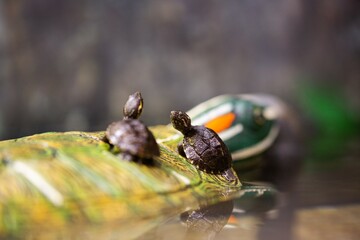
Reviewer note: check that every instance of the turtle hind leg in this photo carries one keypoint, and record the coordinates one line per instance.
(230, 176)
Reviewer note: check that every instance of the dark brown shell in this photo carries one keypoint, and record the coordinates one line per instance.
(133, 137)
(205, 149)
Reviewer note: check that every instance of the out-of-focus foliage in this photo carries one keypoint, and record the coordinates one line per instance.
(329, 110)
(333, 119)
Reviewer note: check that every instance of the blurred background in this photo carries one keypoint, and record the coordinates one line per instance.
(70, 65)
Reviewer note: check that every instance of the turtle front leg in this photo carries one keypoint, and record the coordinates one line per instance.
(181, 151)
(131, 158)
(128, 157)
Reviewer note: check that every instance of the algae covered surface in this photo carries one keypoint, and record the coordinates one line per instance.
(73, 184)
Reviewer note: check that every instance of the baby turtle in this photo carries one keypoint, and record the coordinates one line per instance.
(131, 136)
(202, 147)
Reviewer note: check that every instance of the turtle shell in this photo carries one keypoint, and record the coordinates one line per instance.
(204, 148)
(133, 137)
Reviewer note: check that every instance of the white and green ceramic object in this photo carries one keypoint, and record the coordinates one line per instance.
(248, 124)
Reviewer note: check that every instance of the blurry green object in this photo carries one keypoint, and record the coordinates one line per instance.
(334, 121)
(69, 185)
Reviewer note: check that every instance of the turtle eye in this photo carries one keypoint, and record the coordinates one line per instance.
(258, 116)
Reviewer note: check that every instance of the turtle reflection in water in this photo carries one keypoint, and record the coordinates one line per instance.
(131, 136)
(203, 147)
(207, 221)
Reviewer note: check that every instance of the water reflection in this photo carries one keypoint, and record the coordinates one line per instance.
(207, 221)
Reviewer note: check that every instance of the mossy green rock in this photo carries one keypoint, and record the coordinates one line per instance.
(72, 184)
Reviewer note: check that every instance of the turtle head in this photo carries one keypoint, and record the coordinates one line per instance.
(133, 107)
(180, 121)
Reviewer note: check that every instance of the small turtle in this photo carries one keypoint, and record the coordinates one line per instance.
(131, 136)
(202, 147)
